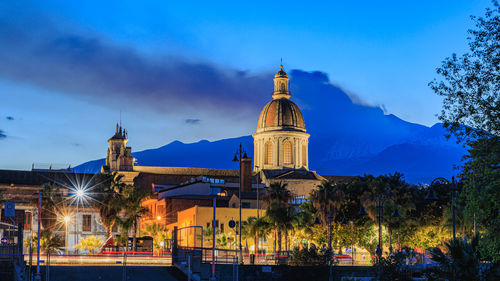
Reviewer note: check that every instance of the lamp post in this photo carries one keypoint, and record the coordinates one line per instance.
(242, 154)
(453, 187)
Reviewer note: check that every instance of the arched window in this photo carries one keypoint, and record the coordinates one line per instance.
(268, 158)
(287, 152)
(304, 155)
(282, 87)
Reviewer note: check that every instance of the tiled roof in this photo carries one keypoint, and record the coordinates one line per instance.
(291, 174)
(18, 177)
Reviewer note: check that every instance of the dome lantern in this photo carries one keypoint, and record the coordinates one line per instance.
(281, 85)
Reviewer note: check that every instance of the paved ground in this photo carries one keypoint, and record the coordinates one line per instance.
(112, 273)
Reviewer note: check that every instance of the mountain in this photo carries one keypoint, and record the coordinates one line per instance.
(347, 138)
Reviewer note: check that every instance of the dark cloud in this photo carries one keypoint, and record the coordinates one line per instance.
(38, 52)
(192, 121)
(2, 135)
(10, 118)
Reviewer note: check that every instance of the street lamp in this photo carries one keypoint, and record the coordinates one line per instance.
(80, 193)
(431, 195)
(242, 154)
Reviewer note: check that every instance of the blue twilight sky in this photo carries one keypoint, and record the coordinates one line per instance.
(182, 70)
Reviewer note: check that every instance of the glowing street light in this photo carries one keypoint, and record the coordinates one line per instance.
(80, 193)
(158, 218)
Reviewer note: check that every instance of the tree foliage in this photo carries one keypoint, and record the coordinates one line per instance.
(470, 83)
(90, 243)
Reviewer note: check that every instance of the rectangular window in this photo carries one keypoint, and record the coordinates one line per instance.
(208, 225)
(27, 221)
(245, 205)
(222, 227)
(87, 223)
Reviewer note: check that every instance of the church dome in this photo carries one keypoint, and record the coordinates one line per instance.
(281, 114)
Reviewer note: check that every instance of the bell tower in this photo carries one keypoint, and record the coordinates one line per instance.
(119, 156)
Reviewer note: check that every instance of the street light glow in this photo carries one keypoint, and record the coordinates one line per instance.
(80, 193)
(158, 217)
(66, 219)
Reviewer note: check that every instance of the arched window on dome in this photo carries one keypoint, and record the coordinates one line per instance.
(282, 87)
(304, 155)
(268, 157)
(287, 152)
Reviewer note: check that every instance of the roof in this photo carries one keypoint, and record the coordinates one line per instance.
(291, 174)
(62, 177)
(197, 196)
(338, 178)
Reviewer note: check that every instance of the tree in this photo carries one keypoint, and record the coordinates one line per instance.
(280, 218)
(279, 215)
(131, 210)
(158, 233)
(393, 193)
(49, 242)
(51, 204)
(90, 243)
(470, 83)
(327, 199)
(462, 259)
(277, 192)
(481, 193)
(107, 199)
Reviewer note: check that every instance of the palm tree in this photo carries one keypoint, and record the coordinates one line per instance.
(155, 230)
(327, 199)
(462, 259)
(280, 218)
(277, 192)
(131, 210)
(49, 242)
(395, 194)
(90, 243)
(278, 212)
(107, 199)
(51, 202)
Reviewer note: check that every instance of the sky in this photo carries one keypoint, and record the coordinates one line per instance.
(183, 70)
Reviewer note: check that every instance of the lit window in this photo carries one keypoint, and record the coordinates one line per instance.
(269, 153)
(288, 152)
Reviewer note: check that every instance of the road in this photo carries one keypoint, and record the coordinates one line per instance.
(112, 273)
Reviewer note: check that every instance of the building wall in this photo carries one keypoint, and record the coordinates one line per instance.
(203, 216)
